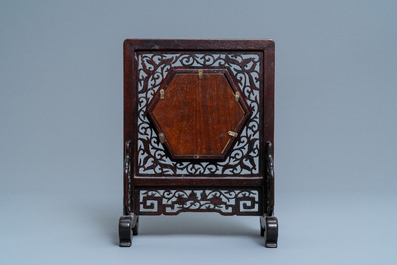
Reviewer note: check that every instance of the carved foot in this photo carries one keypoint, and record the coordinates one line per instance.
(128, 226)
(269, 229)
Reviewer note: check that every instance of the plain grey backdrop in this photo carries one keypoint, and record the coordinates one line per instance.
(61, 96)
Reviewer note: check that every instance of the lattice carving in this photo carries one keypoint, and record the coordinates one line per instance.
(244, 158)
(174, 201)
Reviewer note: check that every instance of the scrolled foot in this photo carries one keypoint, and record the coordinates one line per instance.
(125, 231)
(128, 227)
(269, 228)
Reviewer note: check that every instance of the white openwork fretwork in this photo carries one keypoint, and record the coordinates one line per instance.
(244, 156)
(174, 201)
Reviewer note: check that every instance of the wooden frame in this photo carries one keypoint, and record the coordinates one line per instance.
(238, 181)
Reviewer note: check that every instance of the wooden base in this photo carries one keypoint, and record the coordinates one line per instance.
(269, 230)
(128, 226)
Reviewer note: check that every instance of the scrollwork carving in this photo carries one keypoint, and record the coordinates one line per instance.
(174, 201)
(243, 158)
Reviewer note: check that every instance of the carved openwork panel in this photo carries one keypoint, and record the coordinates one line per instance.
(244, 158)
(224, 201)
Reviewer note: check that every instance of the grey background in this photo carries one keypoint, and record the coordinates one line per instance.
(61, 84)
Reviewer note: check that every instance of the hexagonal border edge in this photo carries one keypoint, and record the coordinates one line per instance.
(233, 84)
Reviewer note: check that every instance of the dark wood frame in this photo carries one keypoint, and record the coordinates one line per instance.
(262, 182)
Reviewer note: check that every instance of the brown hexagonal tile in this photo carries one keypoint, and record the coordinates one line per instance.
(197, 115)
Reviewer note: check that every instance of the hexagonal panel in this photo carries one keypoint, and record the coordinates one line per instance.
(198, 115)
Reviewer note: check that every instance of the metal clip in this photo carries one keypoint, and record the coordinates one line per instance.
(237, 96)
(232, 134)
(200, 73)
(161, 137)
(162, 94)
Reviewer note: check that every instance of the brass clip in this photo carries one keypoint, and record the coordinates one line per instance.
(161, 137)
(237, 96)
(232, 134)
(200, 73)
(162, 94)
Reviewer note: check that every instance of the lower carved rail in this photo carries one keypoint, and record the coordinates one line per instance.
(174, 201)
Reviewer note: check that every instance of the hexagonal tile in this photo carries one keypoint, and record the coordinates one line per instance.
(198, 116)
